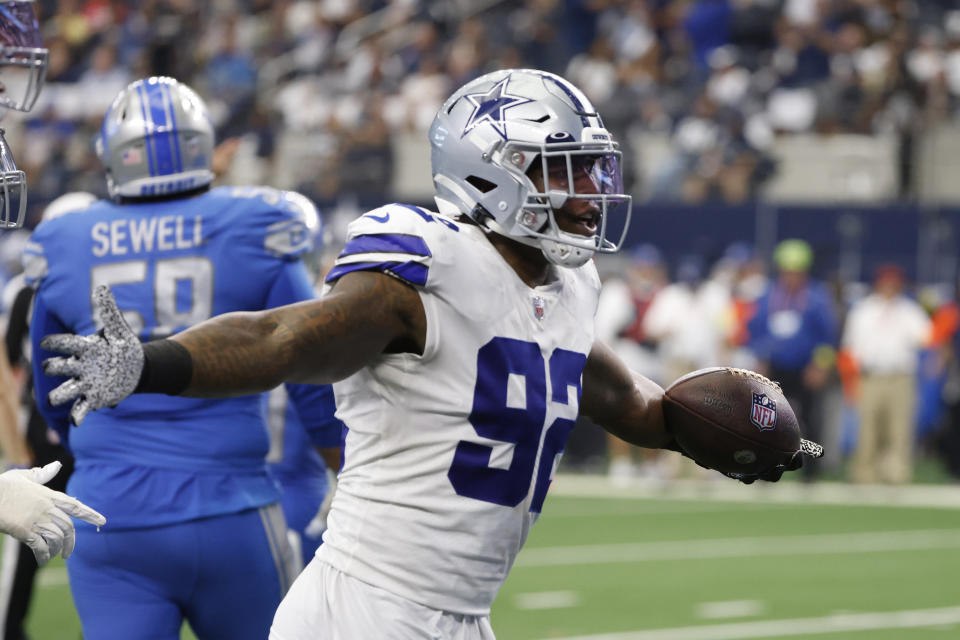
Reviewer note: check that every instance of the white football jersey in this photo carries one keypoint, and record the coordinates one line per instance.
(449, 454)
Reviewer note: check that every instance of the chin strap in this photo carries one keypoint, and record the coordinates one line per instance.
(558, 253)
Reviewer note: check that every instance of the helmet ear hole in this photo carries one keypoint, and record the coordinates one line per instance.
(484, 186)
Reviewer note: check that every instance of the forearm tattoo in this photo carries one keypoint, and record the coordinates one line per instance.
(319, 340)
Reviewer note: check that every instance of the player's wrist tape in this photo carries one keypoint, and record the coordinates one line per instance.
(167, 368)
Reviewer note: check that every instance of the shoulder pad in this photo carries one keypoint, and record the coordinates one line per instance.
(299, 232)
(395, 240)
(34, 258)
(291, 221)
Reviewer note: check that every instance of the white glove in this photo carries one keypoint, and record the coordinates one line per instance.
(104, 368)
(318, 525)
(38, 516)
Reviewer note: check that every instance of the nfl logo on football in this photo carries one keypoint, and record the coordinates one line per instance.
(764, 412)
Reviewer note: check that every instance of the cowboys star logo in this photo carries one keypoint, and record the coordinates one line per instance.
(489, 107)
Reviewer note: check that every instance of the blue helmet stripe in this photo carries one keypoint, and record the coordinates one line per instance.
(147, 128)
(174, 131)
(161, 127)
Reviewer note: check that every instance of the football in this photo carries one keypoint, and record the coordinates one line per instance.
(733, 420)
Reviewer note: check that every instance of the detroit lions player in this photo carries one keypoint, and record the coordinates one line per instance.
(463, 351)
(196, 529)
(306, 473)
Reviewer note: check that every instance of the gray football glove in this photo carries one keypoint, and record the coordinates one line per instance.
(104, 368)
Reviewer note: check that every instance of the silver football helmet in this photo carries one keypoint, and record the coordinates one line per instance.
(487, 137)
(13, 189)
(23, 58)
(156, 140)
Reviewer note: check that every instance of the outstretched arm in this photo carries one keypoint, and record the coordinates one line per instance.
(623, 402)
(319, 341)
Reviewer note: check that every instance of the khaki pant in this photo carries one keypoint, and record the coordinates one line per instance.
(885, 443)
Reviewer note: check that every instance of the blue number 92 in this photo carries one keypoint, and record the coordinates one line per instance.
(495, 417)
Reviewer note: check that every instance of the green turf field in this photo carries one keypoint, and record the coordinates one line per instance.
(777, 562)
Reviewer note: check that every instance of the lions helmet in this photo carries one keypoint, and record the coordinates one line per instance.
(488, 135)
(156, 140)
(23, 58)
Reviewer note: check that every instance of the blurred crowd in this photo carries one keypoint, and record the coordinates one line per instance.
(870, 369)
(318, 89)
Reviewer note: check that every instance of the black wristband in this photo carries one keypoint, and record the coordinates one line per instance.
(167, 368)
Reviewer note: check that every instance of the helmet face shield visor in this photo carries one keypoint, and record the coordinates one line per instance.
(23, 59)
(13, 189)
(576, 171)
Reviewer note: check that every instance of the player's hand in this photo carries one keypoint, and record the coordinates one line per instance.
(807, 448)
(318, 525)
(103, 368)
(40, 517)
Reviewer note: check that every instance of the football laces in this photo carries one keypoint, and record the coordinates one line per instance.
(747, 373)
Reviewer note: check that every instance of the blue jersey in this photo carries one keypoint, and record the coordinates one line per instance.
(789, 325)
(157, 459)
(296, 464)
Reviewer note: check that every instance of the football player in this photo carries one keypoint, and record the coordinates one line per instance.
(18, 561)
(306, 473)
(462, 345)
(23, 67)
(33, 514)
(196, 530)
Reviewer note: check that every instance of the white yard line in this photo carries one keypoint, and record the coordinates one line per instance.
(836, 623)
(52, 577)
(546, 600)
(626, 508)
(722, 489)
(815, 544)
(729, 609)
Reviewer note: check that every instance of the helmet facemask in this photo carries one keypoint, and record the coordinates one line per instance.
(13, 189)
(23, 58)
(566, 167)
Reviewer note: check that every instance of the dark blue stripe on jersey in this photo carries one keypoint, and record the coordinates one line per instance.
(161, 128)
(412, 272)
(147, 129)
(386, 243)
(417, 210)
(174, 132)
